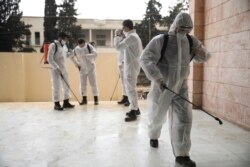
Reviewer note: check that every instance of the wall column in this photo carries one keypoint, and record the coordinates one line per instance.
(90, 35)
(111, 37)
(196, 70)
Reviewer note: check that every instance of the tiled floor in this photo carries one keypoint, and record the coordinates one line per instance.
(33, 135)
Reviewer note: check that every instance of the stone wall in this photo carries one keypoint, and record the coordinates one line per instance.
(226, 76)
(195, 79)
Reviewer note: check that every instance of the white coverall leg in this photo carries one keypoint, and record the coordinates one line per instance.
(156, 117)
(57, 81)
(83, 81)
(130, 85)
(92, 79)
(180, 118)
(121, 70)
(88, 74)
(180, 122)
(56, 85)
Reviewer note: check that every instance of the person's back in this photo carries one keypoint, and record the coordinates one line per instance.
(90, 56)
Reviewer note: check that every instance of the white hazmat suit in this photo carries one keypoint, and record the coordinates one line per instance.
(56, 58)
(85, 59)
(173, 70)
(132, 47)
(120, 60)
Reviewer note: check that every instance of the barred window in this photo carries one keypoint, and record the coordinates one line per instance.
(101, 40)
(37, 38)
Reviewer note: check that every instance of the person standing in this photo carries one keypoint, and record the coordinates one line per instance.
(119, 37)
(59, 75)
(171, 69)
(132, 47)
(84, 58)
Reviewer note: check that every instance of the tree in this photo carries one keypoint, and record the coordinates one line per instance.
(12, 29)
(147, 28)
(67, 21)
(182, 5)
(50, 20)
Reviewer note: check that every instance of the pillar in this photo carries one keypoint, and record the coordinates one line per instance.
(90, 35)
(196, 70)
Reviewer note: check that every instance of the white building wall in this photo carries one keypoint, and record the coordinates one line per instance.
(91, 29)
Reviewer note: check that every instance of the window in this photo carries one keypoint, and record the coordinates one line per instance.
(101, 40)
(28, 39)
(37, 38)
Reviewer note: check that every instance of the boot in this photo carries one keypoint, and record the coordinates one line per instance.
(96, 100)
(126, 104)
(185, 161)
(84, 100)
(137, 112)
(57, 106)
(124, 100)
(131, 116)
(66, 104)
(154, 143)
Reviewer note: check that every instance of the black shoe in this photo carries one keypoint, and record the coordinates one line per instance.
(131, 116)
(46, 62)
(84, 100)
(57, 106)
(124, 100)
(96, 100)
(185, 161)
(154, 143)
(66, 104)
(137, 112)
(126, 103)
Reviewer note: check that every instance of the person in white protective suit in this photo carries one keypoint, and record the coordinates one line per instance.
(59, 75)
(84, 56)
(172, 70)
(118, 37)
(132, 47)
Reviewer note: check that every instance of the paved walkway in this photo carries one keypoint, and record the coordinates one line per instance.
(33, 135)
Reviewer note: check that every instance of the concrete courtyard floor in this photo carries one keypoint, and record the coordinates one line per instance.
(34, 135)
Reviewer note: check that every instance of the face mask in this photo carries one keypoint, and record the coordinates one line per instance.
(181, 35)
(183, 32)
(125, 33)
(63, 42)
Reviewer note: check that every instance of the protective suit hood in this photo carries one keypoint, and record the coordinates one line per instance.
(180, 21)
